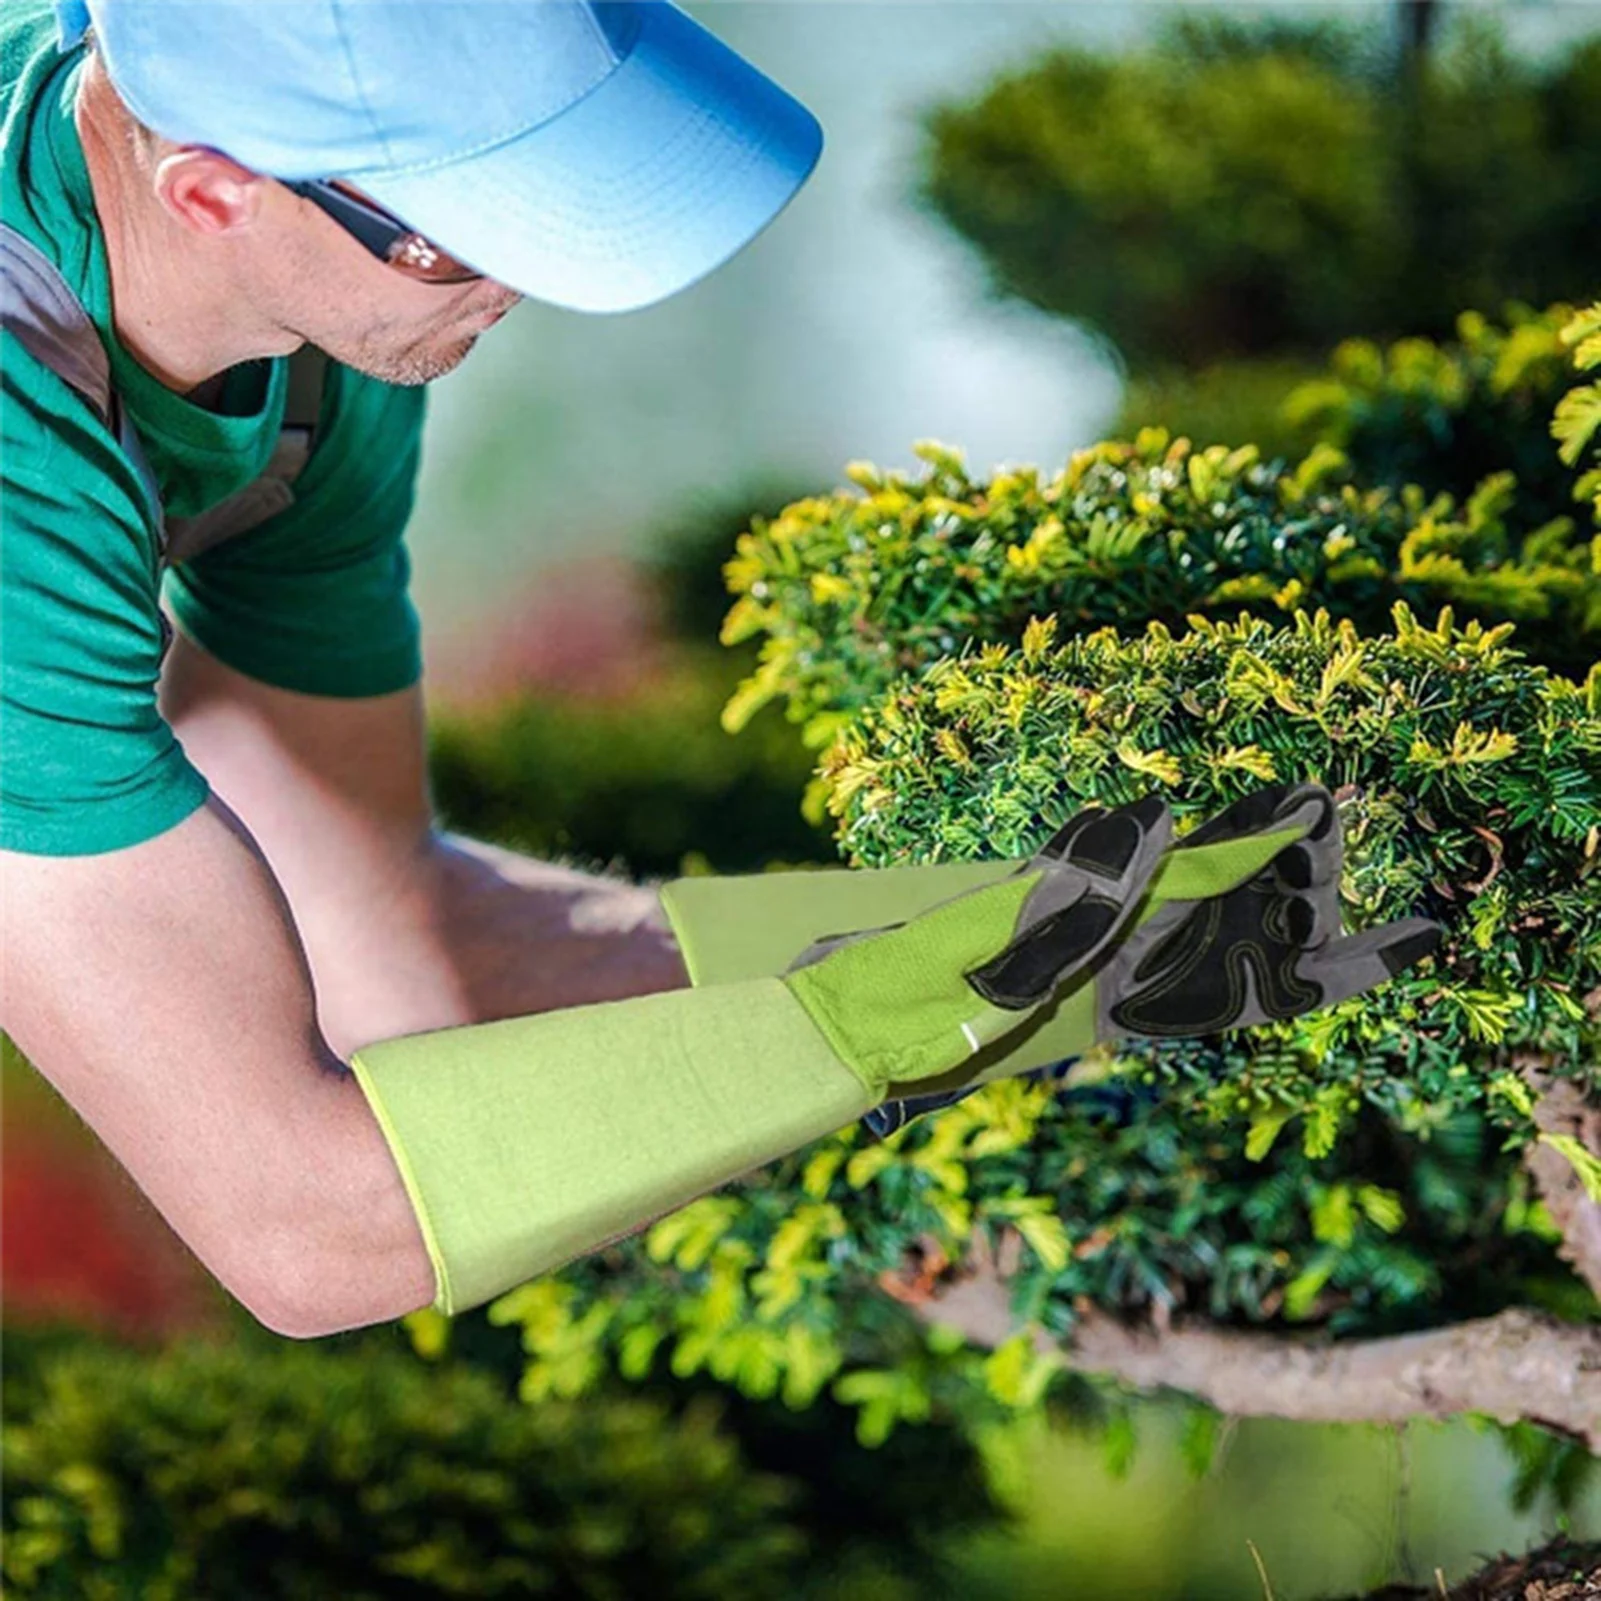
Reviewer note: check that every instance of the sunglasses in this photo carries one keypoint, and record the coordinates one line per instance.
(387, 237)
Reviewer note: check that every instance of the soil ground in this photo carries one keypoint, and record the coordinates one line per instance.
(1561, 1571)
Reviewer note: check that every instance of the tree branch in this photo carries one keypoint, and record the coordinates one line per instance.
(1516, 1365)
(1562, 1108)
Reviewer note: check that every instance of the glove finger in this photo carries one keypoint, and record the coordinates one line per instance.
(826, 944)
(1094, 842)
(1304, 914)
(888, 1116)
(1361, 962)
(1330, 971)
(1081, 902)
(1223, 853)
(1272, 806)
(1298, 868)
(1098, 837)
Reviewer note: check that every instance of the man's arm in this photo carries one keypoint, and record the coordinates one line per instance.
(163, 991)
(406, 928)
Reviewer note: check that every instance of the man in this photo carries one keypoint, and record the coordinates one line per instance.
(143, 925)
(221, 877)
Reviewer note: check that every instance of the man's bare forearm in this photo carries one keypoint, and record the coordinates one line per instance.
(472, 932)
(357, 1257)
(525, 935)
(475, 934)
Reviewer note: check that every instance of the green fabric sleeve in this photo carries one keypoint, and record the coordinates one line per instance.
(527, 1142)
(87, 762)
(743, 925)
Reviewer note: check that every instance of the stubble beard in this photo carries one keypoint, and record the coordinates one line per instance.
(418, 363)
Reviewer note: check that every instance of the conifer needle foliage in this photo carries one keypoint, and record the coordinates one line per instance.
(851, 589)
(1446, 415)
(973, 661)
(1357, 1169)
(1578, 416)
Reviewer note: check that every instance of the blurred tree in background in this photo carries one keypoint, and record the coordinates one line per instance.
(270, 1470)
(1228, 202)
(1246, 188)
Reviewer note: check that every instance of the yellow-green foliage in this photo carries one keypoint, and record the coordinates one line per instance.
(1578, 417)
(850, 589)
(1357, 1168)
(1471, 779)
(1445, 416)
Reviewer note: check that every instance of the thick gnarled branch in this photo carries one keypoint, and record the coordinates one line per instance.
(1516, 1365)
(1561, 1108)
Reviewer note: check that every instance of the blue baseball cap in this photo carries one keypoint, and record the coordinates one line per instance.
(596, 154)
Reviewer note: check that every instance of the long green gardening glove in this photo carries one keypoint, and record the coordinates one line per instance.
(925, 996)
(1241, 925)
(1270, 948)
(526, 1142)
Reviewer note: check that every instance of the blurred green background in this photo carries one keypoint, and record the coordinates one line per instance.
(1003, 248)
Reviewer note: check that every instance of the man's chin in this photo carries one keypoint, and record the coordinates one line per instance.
(418, 365)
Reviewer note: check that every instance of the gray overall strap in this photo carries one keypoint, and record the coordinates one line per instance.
(273, 491)
(37, 305)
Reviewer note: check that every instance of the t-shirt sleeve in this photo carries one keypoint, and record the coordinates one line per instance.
(317, 598)
(87, 762)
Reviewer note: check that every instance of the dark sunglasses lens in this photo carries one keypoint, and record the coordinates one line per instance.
(407, 252)
(416, 257)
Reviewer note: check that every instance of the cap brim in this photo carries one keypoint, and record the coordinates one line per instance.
(670, 166)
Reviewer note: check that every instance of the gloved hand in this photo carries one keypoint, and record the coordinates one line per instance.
(1269, 947)
(528, 1141)
(914, 1000)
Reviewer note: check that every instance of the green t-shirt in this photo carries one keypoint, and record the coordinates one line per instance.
(314, 599)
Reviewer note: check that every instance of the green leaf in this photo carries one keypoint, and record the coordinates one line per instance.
(1301, 1293)
(1198, 1439)
(1016, 1374)
(686, 1237)
(1264, 1130)
(636, 1349)
(1119, 1443)
(1585, 1163)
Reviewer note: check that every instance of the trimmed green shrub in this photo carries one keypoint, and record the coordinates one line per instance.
(1357, 1168)
(1444, 416)
(230, 1472)
(851, 590)
(953, 650)
(1237, 190)
(1471, 782)
(646, 781)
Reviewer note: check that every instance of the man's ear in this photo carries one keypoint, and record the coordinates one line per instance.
(207, 191)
